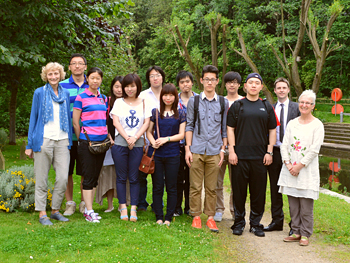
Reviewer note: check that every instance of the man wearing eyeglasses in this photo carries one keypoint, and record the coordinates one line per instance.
(155, 77)
(75, 85)
(251, 133)
(206, 139)
(286, 110)
(232, 82)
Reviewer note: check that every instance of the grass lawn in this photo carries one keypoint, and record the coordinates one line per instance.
(114, 240)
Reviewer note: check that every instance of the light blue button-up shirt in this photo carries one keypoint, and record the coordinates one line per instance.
(212, 129)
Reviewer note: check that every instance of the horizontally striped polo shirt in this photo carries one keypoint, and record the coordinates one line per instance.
(74, 90)
(93, 115)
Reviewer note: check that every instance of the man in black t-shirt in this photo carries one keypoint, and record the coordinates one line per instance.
(251, 132)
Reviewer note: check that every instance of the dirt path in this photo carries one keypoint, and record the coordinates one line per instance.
(270, 248)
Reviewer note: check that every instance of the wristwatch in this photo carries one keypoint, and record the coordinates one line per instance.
(271, 153)
(287, 162)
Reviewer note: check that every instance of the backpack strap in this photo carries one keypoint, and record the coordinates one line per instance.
(196, 113)
(266, 108)
(222, 107)
(237, 107)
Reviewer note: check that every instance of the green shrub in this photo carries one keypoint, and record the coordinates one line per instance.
(3, 138)
(17, 189)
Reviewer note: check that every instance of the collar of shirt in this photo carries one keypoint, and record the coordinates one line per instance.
(285, 103)
(89, 93)
(71, 80)
(169, 113)
(203, 96)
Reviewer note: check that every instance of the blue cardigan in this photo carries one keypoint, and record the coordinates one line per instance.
(36, 125)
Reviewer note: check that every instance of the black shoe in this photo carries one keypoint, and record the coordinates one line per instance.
(291, 230)
(178, 212)
(257, 230)
(187, 212)
(273, 227)
(238, 231)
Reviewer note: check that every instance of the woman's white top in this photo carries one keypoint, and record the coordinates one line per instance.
(52, 129)
(130, 117)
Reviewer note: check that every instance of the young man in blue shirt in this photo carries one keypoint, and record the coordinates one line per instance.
(76, 84)
(206, 139)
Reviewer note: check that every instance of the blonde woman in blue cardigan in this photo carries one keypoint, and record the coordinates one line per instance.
(49, 140)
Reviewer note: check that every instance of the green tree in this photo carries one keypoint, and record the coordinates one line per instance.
(34, 32)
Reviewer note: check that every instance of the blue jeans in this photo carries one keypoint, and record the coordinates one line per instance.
(166, 170)
(127, 164)
(142, 203)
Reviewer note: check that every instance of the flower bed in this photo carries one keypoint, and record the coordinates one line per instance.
(17, 189)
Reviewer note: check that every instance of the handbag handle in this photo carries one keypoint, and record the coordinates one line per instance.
(145, 148)
(87, 136)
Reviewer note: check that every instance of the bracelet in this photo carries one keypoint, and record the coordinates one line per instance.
(135, 137)
(223, 151)
(168, 139)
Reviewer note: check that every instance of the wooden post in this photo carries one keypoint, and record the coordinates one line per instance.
(22, 155)
(2, 161)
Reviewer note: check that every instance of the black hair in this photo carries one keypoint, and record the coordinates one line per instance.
(129, 79)
(231, 75)
(94, 70)
(158, 69)
(182, 75)
(113, 97)
(77, 55)
(210, 69)
(169, 88)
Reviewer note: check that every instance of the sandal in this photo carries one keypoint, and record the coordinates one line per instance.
(133, 218)
(125, 218)
(304, 241)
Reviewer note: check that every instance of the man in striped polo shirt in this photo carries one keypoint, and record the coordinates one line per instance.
(76, 84)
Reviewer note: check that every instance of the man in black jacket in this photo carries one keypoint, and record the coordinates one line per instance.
(286, 110)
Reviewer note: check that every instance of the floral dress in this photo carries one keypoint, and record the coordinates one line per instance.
(302, 143)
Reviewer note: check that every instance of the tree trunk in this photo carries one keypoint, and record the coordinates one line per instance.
(214, 27)
(291, 69)
(326, 48)
(251, 64)
(12, 112)
(187, 56)
(224, 59)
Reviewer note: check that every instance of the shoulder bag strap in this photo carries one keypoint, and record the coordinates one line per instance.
(86, 135)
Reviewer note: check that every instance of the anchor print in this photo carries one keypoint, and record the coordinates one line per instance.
(132, 119)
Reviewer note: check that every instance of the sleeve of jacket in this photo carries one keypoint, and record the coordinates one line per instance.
(70, 132)
(189, 116)
(34, 113)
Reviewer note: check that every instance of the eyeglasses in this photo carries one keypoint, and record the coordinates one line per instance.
(306, 103)
(232, 82)
(210, 80)
(155, 76)
(77, 64)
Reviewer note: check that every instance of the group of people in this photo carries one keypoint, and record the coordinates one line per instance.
(193, 137)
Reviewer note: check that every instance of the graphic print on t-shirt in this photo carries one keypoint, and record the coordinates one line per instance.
(132, 121)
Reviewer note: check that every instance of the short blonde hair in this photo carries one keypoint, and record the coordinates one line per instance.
(52, 66)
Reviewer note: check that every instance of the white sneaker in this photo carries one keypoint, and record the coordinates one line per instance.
(70, 208)
(91, 217)
(218, 217)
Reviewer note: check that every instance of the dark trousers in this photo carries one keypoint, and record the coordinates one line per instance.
(166, 170)
(252, 172)
(127, 164)
(276, 198)
(183, 183)
(91, 165)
